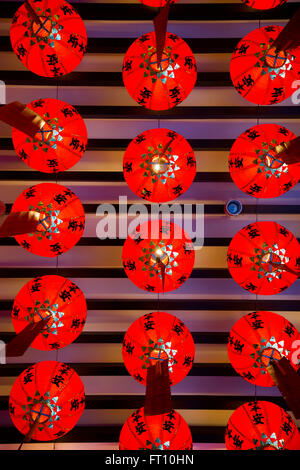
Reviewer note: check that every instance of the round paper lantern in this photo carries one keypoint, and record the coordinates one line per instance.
(258, 73)
(156, 3)
(261, 425)
(53, 47)
(255, 340)
(60, 143)
(158, 256)
(255, 166)
(164, 86)
(167, 431)
(155, 337)
(263, 4)
(53, 296)
(159, 165)
(50, 392)
(254, 248)
(63, 220)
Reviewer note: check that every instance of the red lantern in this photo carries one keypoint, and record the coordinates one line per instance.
(159, 165)
(255, 340)
(261, 425)
(258, 254)
(157, 3)
(49, 38)
(54, 296)
(263, 4)
(162, 87)
(155, 337)
(158, 256)
(50, 392)
(159, 432)
(258, 73)
(255, 166)
(63, 220)
(60, 143)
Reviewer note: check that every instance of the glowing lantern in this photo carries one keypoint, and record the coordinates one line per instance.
(158, 256)
(255, 340)
(159, 432)
(261, 425)
(263, 4)
(162, 87)
(159, 165)
(262, 258)
(58, 298)
(259, 73)
(59, 144)
(48, 396)
(156, 3)
(154, 337)
(63, 220)
(49, 38)
(255, 165)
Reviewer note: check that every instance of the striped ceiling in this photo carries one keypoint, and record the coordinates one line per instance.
(210, 301)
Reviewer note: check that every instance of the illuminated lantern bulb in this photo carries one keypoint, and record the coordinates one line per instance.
(49, 394)
(255, 163)
(49, 38)
(155, 337)
(62, 222)
(256, 340)
(158, 256)
(263, 258)
(159, 165)
(164, 86)
(159, 432)
(259, 73)
(261, 425)
(53, 296)
(60, 143)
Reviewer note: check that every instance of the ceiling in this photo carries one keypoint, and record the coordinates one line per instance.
(210, 301)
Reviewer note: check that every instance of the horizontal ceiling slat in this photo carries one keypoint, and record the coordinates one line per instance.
(121, 144)
(111, 434)
(117, 337)
(137, 12)
(180, 402)
(192, 112)
(238, 305)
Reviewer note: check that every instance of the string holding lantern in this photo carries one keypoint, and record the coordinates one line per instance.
(46, 401)
(164, 86)
(55, 297)
(256, 165)
(259, 72)
(60, 142)
(159, 165)
(50, 40)
(261, 425)
(256, 340)
(63, 220)
(264, 258)
(264, 4)
(158, 256)
(153, 338)
(168, 431)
